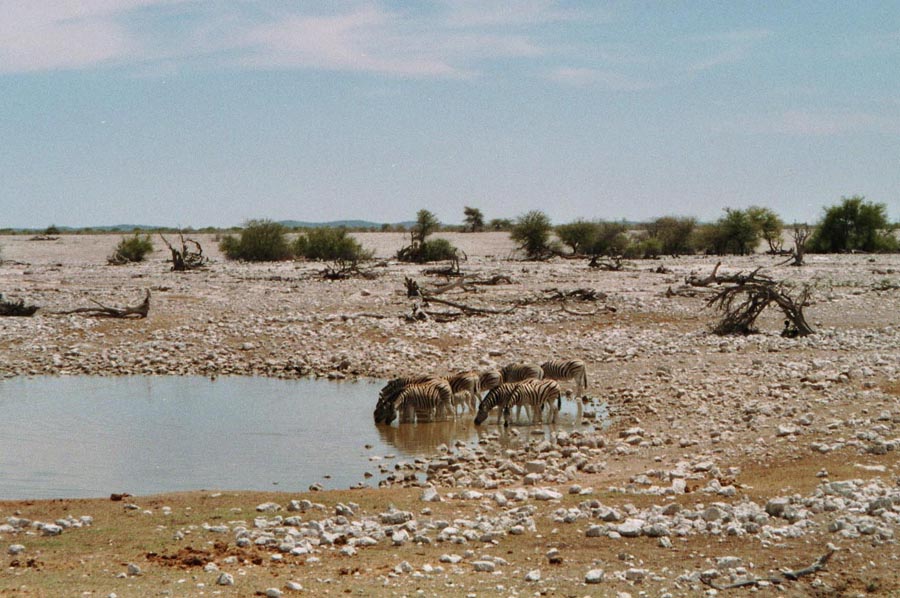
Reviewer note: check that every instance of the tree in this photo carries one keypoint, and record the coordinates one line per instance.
(500, 224)
(732, 233)
(420, 249)
(577, 235)
(532, 232)
(609, 239)
(474, 219)
(259, 241)
(426, 223)
(854, 225)
(768, 226)
(674, 234)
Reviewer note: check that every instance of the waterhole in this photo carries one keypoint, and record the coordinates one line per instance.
(81, 437)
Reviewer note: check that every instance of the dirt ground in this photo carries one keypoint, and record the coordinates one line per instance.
(776, 416)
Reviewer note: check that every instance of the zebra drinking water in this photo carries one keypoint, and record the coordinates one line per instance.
(428, 402)
(529, 393)
(466, 388)
(384, 408)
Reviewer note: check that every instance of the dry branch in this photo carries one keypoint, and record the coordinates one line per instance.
(189, 257)
(102, 311)
(613, 264)
(16, 308)
(744, 300)
(785, 575)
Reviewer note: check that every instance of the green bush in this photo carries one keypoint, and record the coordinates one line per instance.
(610, 239)
(578, 234)
(768, 226)
(329, 244)
(532, 233)
(259, 241)
(675, 235)
(735, 232)
(854, 225)
(131, 249)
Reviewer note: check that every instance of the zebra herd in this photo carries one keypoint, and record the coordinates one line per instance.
(520, 385)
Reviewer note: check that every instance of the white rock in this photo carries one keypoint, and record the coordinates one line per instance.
(594, 576)
(533, 575)
(225, 579)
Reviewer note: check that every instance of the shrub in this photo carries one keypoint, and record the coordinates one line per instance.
(610, 238)
(578, 235)
(732, 233)
(854, 225)
(500, 224)
(436, 250)
(131, 249)
(768, 226)
(259, 241)
(675, 235)
(532, 233)
(329, 244)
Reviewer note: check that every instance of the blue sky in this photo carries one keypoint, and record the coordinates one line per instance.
(190, 113)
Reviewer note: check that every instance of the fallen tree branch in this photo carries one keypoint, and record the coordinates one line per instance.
(468, 308)
(102, 311)
(16, 308)
(785, 575)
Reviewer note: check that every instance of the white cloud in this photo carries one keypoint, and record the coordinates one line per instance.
(730, 47)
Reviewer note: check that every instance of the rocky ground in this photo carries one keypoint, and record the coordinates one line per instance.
(729, 459)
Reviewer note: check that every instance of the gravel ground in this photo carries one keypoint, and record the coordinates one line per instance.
(695, 415)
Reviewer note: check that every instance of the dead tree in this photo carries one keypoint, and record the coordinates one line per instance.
(189, 257)
(344, 269)
(102, 311)
(16, 308)
(743, 300)
(612, 264)
(801, 235)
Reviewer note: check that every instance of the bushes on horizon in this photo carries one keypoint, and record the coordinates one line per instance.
(733, 233)
(328, 243)
(768, 225)
(500, 224)
(577, 235)
(421, 249)
(672, 235)
(854, 225)
(532, 233)
(259, 241)
(131, 249)
(609, 239)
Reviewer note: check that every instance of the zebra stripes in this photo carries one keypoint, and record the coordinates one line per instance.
(466, 389)
(567, 369)
(529, 393)
(384, 408)
(427, 402)
(516, 372)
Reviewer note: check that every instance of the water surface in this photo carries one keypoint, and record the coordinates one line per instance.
(88, 436)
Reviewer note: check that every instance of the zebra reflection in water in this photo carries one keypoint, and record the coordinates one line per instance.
(414, 439)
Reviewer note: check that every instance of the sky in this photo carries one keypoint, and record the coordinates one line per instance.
(214, 112)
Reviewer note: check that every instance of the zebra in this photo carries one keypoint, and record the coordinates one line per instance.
(516, 372)
(531, 393)
(429, 401)
(385, 406)
(466, 388)
(496, 397)
(490, 379)
(568, 369)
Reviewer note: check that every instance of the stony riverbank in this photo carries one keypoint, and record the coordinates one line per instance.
(733, 448)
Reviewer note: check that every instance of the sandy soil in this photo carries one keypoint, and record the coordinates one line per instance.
(775, 417)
